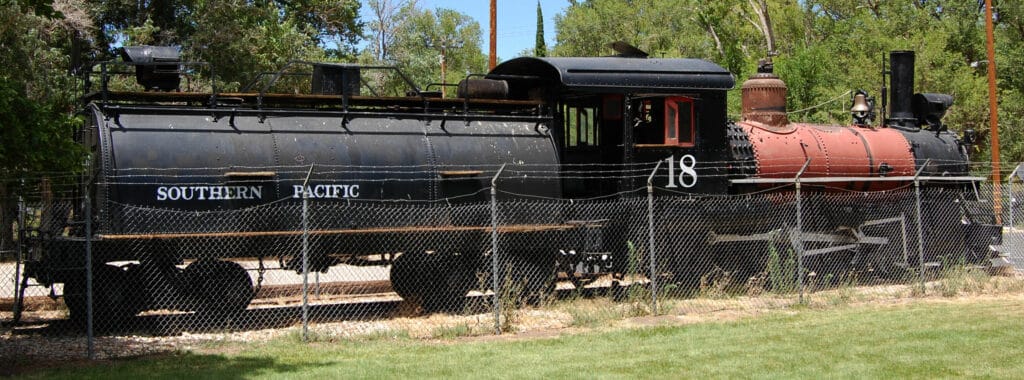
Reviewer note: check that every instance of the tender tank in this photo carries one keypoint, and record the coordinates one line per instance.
(190, 160)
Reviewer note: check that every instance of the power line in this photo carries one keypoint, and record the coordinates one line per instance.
(442, 44)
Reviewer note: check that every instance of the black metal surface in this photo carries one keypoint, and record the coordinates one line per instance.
(618, 75)
(943, 149)
(902, 88)
(148, 72)
(335, 80)
(188, 160)
(930, 108)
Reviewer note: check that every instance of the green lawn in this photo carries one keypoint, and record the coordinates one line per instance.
(935, 340)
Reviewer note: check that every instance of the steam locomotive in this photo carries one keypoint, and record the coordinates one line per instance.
(199, 153)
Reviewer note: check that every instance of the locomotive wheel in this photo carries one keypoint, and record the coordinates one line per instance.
(157, 286)
(113, 302)
(889, 261)
(830, 270)
(218, 288)
(437, 282)
(532, 277)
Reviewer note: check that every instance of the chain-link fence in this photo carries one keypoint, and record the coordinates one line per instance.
(325, 261)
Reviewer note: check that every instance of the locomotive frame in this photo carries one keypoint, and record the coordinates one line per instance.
(590, 116)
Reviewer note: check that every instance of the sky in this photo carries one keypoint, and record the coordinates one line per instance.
(517, 21)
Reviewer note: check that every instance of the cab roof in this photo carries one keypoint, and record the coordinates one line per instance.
(615, 74)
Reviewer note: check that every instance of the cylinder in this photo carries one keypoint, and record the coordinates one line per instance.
(901, 89)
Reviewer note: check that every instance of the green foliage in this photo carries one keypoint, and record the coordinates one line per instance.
(34, 135)
(43, 8)
(174, 22)
(36, 96)
(638, 297)
(540, 48)
(511, 299)
(782, 270)
(248, 38)
(419, 38)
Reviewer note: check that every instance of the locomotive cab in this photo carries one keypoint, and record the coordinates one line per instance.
(622, 114)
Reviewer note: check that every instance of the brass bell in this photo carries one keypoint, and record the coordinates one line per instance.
(860, 104)
(863, 110)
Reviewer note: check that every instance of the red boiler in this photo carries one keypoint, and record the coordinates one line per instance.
(834, 151)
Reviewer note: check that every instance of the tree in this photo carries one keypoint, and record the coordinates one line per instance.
(540, 48)
(421, 37)
(37, 125)
(331, 21)
(240, 38)
(663, 28)
(386, 19)
(37, 90)
(1009, 36)
(167, 22)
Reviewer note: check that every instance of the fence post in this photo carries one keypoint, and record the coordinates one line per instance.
(18, 292)
(800, 231)
(920, 229)
(305, 257)
(88, 275)
(650, 229)
(903, 238)
(494, 250)
(1013, 200)
(1013, 203)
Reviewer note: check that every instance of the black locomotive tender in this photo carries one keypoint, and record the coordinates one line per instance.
(163, 149)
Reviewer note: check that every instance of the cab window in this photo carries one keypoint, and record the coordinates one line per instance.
(679, 122)
(580, 126)
(665, 122)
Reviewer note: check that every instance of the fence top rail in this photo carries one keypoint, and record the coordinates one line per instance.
(1018, 172)
(857, 179)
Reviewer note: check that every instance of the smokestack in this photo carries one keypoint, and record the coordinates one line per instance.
(901, 87)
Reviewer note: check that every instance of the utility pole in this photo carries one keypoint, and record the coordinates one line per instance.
(442, 45)
(993, 109)
(493, 59)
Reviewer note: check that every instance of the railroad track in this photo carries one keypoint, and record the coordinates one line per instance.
(341, 291)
